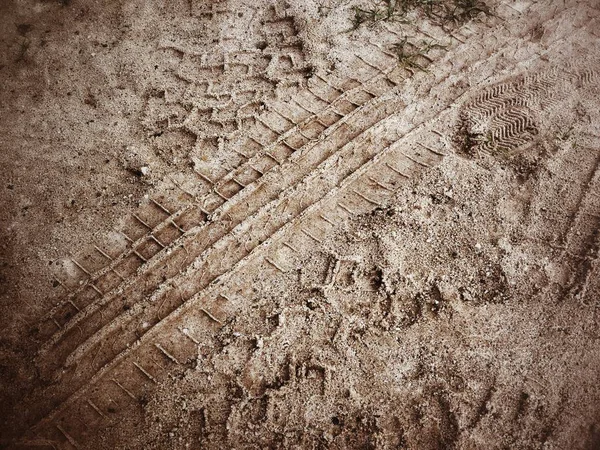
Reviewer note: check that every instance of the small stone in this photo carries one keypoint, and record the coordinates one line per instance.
(144, 170)
(466, 295)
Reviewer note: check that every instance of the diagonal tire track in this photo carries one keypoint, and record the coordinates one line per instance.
(73, 328)
(225, 219)
(120, 357)
(211, 203)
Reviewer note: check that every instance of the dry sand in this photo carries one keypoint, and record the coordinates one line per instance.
(248, 225)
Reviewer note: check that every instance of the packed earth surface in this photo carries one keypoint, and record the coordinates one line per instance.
(345, 224)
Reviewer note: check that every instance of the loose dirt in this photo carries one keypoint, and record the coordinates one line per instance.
(322, 224)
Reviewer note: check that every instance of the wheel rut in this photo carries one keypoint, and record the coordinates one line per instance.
(126, 341)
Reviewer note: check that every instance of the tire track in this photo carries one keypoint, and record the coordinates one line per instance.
(279, 34)
(208, 241)
(261, 159)
(119, 358)
(90, 273)
(571, 222)
(224, 220)
(78, 304)
(66, 434)
(582, 238)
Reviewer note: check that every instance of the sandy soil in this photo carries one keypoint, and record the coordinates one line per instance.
(321, 224)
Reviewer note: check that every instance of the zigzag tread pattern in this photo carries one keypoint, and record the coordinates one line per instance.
(352, 100)
(143, 250)
(146, 361)
(161, 222)
(507, 116)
